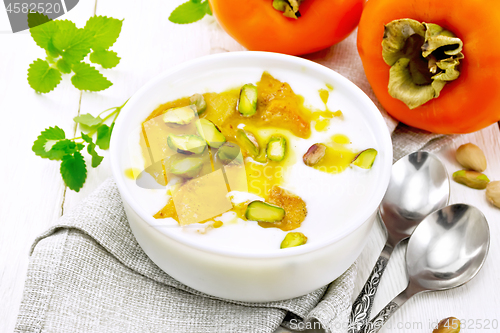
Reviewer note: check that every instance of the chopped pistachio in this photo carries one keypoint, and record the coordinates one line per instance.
(293, 239)
(187, 167)
(314, 154)
(264, 212)
(248, 141)
(210, 132)
(198, 101)
(365, 158)
(186, 144)
(472, 179)
(229, 152)
(276, 148)
(176, 117)
(247, 102)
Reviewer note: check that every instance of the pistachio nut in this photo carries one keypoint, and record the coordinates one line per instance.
(471, 157)
(472, 179)
(493, 193)
(365, 158)
(314, 154)
(293, 239)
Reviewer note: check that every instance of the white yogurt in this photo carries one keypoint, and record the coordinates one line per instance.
(332, 199)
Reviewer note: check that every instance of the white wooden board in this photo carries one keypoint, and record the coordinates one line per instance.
(33, 196)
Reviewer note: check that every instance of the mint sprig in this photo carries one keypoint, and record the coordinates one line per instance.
(189, 12)
(67, 47)
(53, 145)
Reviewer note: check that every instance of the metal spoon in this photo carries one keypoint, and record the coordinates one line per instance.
(445, 251)
(419, 185)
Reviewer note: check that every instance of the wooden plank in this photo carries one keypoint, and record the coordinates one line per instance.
(150, 44)
(32, 189)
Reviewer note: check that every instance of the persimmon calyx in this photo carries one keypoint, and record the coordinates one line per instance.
(423, 58)
(290, 8)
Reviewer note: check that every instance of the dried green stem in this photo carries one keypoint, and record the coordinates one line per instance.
(423, 58)
(290, 8)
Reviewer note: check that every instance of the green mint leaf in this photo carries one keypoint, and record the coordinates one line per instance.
(72, 43)
(104, 31)
(105, 58)
(88, 78)
(52, 144)
(74, 171)
(96, 159)
(104, 136)
(42, 77)
(42, 29)
(61, 149)
(41, 143)
(88, 120)
(188, 12)
(63, 66)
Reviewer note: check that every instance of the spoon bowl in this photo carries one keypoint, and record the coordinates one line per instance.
(448, 248)
(419, 185)
(445, 251)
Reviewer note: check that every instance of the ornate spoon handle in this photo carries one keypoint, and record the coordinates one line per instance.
(381, 318)
(360, 313)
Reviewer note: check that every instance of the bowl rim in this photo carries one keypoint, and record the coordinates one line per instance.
(378, 126)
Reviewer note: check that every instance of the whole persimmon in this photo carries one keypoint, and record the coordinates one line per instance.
(286, 26)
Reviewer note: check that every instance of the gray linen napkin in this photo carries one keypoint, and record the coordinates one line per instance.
(88, 274)
(407, 139)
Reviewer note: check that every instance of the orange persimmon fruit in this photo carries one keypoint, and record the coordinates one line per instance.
(256, 25)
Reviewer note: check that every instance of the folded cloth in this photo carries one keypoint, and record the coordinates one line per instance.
(407, 139)
(88, 273)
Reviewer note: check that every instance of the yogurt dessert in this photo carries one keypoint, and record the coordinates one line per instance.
(256, 167)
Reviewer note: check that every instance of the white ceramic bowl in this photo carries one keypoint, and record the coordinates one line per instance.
(232, 273)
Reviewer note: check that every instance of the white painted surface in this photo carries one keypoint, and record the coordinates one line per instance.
(33, 196)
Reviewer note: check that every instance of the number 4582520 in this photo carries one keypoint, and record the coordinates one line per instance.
(25, 7)
(455, 325)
